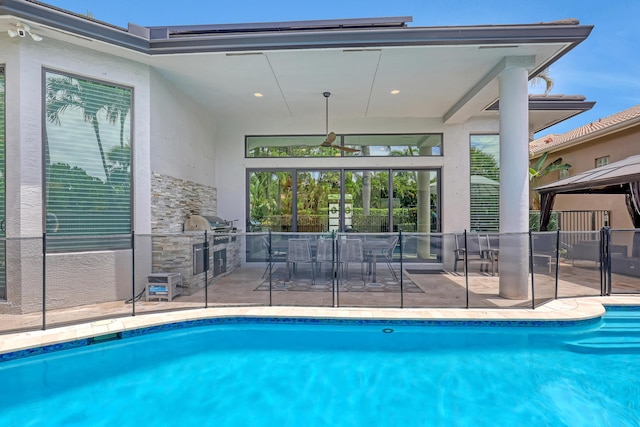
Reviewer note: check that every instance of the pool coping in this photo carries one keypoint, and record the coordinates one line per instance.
(559, 312)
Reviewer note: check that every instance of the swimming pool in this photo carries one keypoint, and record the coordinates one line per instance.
(243, 372)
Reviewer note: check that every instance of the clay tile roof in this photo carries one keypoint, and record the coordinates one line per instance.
(554, 141)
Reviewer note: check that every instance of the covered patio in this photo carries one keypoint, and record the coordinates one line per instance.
(196, 94)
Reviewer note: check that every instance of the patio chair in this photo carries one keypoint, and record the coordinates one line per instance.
(493, 252)
(388, 254)
(350, 251)
(276, 254)
(324, 253)
(544, 250)
(299, 252)
(475, 251)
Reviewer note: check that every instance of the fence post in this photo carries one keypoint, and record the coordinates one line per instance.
(44, 280)
(605, 261)
(557, 259)
(133, 274)
(533, 287)
(205, 250)
(401, 281)
(466, 269)
(334, 270)
(270, 268)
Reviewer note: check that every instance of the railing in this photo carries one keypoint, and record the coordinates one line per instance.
(167, 272)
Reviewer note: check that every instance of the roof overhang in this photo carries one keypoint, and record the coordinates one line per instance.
(444, 73)
(548, 110)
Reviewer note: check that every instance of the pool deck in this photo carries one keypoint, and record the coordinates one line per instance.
(567, 309)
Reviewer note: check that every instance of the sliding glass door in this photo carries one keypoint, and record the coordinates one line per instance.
(270, 201)
(366, 201)
(318, 201)
(369, 190)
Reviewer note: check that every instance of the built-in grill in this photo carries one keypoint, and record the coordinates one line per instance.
(213, 224)
(207, 222)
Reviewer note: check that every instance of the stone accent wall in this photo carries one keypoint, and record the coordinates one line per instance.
(173, 253)
(172, 199)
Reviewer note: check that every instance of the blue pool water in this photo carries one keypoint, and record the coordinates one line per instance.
(259, 374)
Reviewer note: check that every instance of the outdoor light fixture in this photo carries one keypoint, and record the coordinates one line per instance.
(21, 30)
(395, 92)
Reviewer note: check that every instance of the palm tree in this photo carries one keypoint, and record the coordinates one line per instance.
(543, 76)
(537, 172)
(90, 97)
(118, 105)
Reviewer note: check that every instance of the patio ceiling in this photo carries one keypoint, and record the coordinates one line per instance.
(431, 80)
(443, 73)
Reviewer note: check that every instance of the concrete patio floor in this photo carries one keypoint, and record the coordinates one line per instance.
(437, 291)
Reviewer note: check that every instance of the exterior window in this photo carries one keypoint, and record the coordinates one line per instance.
(485, 183)
(406, 145)
(88, 163)
(602, 161)
(563, 173)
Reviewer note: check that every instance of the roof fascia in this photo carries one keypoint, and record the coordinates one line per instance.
(138, 40)
(71, 23)
(552, 105)
(386, 22)
(376, 37)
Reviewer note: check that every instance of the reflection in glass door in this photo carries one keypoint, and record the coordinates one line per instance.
(365, 201)
(416, 209)
(416, 201)
(369, 190)
(270, 201)
(318, 201)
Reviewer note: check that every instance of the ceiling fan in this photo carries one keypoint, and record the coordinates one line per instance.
(331, 136)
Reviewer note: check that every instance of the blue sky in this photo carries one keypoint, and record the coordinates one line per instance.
(605, 68)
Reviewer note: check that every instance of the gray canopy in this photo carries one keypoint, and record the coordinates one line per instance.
(621, 177)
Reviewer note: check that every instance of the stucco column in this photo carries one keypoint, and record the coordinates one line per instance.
(514, 180)
(424, 207)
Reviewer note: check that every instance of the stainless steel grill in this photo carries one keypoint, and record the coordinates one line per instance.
(207, 222)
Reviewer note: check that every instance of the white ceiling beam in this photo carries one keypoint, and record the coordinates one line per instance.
(485, 92)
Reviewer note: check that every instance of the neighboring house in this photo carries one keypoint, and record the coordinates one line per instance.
(117, 130)
(595, 144)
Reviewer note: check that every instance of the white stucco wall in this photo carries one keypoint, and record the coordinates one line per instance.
(25, 60)
(182, 136)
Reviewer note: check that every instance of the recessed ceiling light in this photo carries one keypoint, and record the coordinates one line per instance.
(395, 92)
(258, 95)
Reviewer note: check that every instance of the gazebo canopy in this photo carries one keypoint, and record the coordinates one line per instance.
(609, 179)
(621, 177)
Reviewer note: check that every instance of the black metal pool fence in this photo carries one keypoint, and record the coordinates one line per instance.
(99, 277)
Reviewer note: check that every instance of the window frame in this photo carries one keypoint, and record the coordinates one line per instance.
(341, 142)
(87, 242)
(472, 219)
(602, 161)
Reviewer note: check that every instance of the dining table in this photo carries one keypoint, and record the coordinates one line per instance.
(374, 248)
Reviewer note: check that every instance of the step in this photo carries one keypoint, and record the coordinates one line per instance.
(628, 328)
(611, 348)
(606, 343)
(622, 314)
